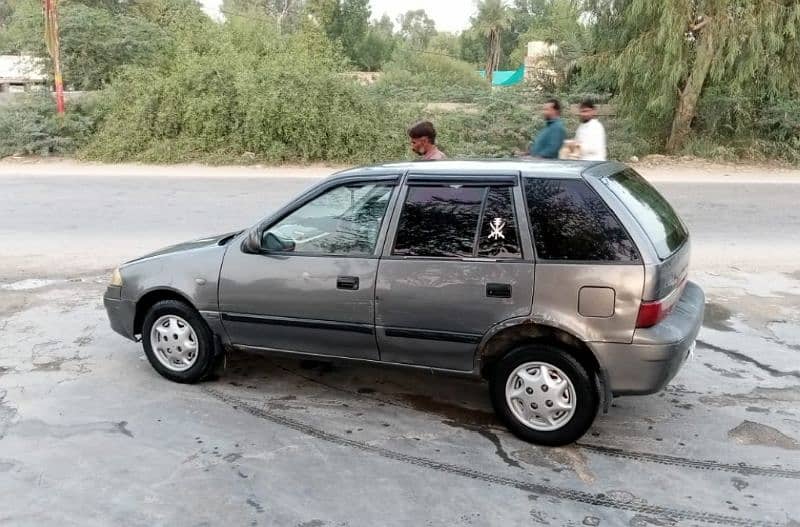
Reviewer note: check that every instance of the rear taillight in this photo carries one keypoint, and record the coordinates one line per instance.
(651, 313)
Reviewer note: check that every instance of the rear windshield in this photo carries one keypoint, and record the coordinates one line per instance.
(651, 210)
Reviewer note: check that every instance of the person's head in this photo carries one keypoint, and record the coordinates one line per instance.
(587, 111)
(551, 109)
(422, 136)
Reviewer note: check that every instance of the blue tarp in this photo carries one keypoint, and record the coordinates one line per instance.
(506, 78)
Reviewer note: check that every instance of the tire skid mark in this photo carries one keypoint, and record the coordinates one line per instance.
(601, 500)
(661, 459)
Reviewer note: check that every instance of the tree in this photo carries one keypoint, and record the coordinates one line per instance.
(352, 24)
(324, 13)
(282, 11)
(345, 21)
(445, 43)
(95, 41)
(378, 46)
(492, 20)
(556, 22)
(664, 55)
(417, 28)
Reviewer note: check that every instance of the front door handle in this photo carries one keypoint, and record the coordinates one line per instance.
(498, 290)
(347, 282)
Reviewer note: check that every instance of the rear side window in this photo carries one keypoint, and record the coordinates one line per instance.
(498, 237)
(458, 222)
(569, 221)
(439, 221)
(651, 210)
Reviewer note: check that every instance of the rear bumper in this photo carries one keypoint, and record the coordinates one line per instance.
(121, 313)
(656, 354)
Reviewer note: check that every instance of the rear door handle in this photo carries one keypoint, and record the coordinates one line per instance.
(347, 282)
(498, 290)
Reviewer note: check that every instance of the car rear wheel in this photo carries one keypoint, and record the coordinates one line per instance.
(178, 342)
(544, 395)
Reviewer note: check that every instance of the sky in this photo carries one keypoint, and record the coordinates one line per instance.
(449, 15)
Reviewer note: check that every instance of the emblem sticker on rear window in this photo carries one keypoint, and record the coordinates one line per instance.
(497, 226)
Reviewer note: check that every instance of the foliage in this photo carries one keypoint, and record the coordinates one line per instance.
(378, 46)
(267, 84)
(28, 125)
(417, 28)
(556, 22)
(650, 51)
(251, 95)
(97, 41)
(446, 44)
(493, 19)
(501, 127)
(284, 13)
(429, 77)
(347, 22)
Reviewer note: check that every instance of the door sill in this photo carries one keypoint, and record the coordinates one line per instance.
(322, 357)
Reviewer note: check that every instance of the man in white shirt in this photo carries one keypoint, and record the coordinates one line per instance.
(590, 136)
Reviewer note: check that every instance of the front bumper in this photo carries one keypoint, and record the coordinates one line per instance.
(121, 313)
(656, 354)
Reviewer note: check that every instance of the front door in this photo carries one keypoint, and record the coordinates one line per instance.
(312, 289)
(454, 268)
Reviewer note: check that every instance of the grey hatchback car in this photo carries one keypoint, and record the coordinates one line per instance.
(563, 284)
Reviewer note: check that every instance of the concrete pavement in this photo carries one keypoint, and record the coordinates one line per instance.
(90, 435)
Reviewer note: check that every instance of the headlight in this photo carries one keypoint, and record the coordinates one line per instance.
(116, 278)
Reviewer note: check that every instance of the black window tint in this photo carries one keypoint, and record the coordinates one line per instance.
(439, 221)
(499, 226)
(571, 222)
(650, 209)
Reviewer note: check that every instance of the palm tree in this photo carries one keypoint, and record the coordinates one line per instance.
(493, 18)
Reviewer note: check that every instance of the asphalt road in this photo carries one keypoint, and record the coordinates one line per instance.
(90, 435)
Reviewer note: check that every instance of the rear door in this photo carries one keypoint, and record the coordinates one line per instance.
(454, 264)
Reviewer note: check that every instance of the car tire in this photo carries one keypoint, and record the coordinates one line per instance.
(178, 342)
(544, 395)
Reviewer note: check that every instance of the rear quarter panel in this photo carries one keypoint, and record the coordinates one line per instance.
(556, 298)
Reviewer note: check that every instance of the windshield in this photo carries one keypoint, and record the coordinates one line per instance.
(651, 210)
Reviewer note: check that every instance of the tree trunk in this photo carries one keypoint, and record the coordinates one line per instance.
(493, 60)
(282, 15)
(687, 105)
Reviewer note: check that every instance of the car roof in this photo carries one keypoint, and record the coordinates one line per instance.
(486, 168)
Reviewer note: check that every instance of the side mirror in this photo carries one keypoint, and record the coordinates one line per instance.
(252, 243)
(272, 243)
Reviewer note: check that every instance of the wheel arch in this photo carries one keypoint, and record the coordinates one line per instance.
(151, 298)
(510, 335)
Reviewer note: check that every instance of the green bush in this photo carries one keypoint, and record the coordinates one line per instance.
(733, 127)
(248, 95)
(430, 77)
(29, 125)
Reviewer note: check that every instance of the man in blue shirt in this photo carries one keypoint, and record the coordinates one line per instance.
(551, 138)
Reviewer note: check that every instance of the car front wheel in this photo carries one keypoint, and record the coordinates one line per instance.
(177, 342)
(544, 395)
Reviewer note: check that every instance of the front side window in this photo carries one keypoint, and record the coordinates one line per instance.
(344, 221)
(569, 221)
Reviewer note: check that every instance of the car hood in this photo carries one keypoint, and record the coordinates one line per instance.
(220, 239)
